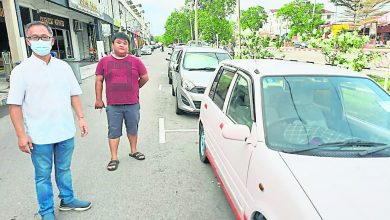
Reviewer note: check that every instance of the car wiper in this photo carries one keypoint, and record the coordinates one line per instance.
(365, 153)
(337, 144)
(204, 68)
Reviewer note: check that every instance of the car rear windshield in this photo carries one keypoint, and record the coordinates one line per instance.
(326, 116)
(203, 60)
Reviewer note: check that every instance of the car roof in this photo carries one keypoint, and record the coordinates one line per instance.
(265, 67)
(204, 49)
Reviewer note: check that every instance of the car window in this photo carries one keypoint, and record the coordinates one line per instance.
(174, 56)
(301, 112)
(222, 88)
(239, 108)
(199, 60)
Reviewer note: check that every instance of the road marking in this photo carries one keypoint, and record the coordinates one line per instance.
(160, 87)
(162, 73)
(182, 130)
(161, 130)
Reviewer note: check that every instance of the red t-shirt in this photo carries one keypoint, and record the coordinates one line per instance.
(121, 77)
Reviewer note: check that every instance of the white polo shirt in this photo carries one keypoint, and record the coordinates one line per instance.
(44, 91)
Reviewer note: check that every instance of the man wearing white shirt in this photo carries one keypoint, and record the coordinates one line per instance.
(43, 91)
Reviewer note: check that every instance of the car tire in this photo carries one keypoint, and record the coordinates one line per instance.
(173, 91)
(202, 145)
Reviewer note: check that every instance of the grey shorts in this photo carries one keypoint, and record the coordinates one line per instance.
(116, 114)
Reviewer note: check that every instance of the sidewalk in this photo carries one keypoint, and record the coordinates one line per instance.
(85, 71)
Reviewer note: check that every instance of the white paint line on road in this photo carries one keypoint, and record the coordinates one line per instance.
(162, 73)
(182, 130)
(160, 87)
(161, 130)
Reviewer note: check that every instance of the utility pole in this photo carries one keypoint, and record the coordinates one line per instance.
(196, 20)
(314, 8)
(239, 26)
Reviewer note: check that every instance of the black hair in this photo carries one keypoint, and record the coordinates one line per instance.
(120, 35)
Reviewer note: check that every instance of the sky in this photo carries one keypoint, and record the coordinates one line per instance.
(157, 11)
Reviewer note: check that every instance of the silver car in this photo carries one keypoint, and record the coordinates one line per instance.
(192, 73)
(172, 61)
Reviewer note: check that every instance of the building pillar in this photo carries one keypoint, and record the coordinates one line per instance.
(99, 39)
(12, 24)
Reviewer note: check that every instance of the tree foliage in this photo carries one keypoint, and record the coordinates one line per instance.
(361, 10)
(254, 46)
(210, 25)
(177, 28)
(299, 13)
(253, 18)
(219, 8)
(345, 49)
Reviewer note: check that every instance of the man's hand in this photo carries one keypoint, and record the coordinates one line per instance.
(83, 127)
(99, 104)
(25, 144)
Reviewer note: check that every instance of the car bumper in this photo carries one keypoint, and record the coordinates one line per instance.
(188, 101)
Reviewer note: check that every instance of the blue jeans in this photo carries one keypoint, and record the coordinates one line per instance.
(42, 158)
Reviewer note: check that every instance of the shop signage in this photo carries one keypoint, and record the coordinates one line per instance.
(52, 20)
(90, 7)
(60, 2)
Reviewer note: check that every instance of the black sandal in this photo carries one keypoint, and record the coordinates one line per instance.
(138, 156)
(113, 165)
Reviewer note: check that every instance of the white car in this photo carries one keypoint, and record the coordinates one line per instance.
(291, 140)
(146, 50)
(191, 73)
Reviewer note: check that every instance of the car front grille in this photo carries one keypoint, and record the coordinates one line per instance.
(197, 104)
(199, 90)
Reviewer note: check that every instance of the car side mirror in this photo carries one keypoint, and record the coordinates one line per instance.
(236, 132)
(176, 67)
(167, 59)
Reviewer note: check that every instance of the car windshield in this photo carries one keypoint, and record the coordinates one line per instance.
(326, 116)
(203, 60)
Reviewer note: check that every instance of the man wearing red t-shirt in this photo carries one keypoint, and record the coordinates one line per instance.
(124, 75)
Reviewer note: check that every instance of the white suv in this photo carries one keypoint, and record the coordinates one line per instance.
(291, 140)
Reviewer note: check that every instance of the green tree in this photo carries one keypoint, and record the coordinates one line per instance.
(300, 15)
(212, 25)
(177, 28)
(254, 46)
(219, 8)
(360, 10)
(345, 49)
(253, 18)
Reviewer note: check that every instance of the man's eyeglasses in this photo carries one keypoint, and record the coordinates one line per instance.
(37, 38)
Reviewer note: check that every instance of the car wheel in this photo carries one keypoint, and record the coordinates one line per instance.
(173, 91)
(178, 110)
(259, 216)
(202, 145)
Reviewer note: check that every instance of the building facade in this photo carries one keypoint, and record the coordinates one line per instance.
(78, 25)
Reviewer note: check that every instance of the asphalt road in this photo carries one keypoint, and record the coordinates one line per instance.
(170, 184)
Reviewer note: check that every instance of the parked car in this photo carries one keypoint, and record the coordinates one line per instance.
(301, 45)
(191, 74)
(172, 61)
(291, 140)
(146, 49)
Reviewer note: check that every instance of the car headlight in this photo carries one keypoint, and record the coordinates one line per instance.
(187, 85)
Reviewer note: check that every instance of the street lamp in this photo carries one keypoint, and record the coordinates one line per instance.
(239, 26)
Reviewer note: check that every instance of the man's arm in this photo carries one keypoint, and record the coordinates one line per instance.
(98, 91)
(76, 104)
(143, 79)
(24, 142)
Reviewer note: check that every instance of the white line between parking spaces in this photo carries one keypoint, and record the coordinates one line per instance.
(182, 130)
(162, 131)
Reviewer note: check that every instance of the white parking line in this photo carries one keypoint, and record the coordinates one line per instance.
(182, 130)
(160, 87)
(162, 73)
(162, 131)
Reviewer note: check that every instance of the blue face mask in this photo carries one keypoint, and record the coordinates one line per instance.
(40, 47)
